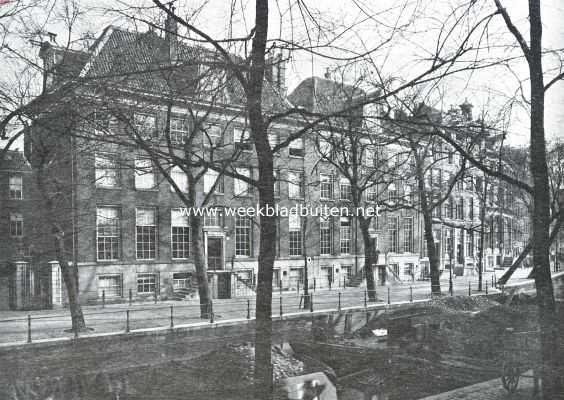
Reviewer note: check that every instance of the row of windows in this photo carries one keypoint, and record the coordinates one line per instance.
(111, 285)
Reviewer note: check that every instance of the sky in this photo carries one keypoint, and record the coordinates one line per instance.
(403, 31)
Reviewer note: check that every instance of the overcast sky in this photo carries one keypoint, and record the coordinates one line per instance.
(372, 23)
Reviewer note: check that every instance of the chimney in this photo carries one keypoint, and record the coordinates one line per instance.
(466, 109)
(171, 35)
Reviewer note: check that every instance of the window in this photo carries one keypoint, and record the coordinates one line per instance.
(16, 187)
(179, 178)
(325, 148)
(241, 188)
(100, 122)
(212, 135)
(273, 139)
(345, 235)
(408, 270)
(144, 174)
(325, 237)
(146, 283)
(107, 233)
(408, 194)
(145, 125)
(242, 236)
(371, 192)
(16, 225)
(408, 234)
(146, 233)
(369, 157)
(296, 148)
(469, 244)
(345, 192)
(393, 234)
(109, 285)
(295, 234)
(180, 234)
(242, 140)
(178, 130)
(107, 172)
(213, 217)
(276, 174)
(460, 208)
(325, 187)
(212, 178)
(295, 184)
(392, 193)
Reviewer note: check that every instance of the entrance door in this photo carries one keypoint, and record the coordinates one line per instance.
(382, 274)
(215, 254)
(224, 286)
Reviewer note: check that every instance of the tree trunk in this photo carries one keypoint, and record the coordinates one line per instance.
(200, 265)
(306, 279)
(429, 240)
(551, 371)
(482, 234)
(370, 258)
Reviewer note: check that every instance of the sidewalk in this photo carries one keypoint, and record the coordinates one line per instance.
(489, 390)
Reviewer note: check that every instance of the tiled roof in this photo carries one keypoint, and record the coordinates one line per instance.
(324, 95)
(140, 61)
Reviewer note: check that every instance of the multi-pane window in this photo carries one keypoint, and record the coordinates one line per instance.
(242, 236)
(16, 187)
(213, 217)
(16, 225)
(242, 140)
(369, 157)
(296, 148)
(371, 192)
(345, 235)
(109, 285)
(106, 170)
(295, 234)
(146, 233)
(178, 130)
(392, 193)
(295, 184)
(180, 234)
(469, 243)
(276, 174)
(393, 234)
(144, 174)
(325, 187)
(241, 187)
(345, 192)
(146, 283)
(408, 234)
(325, 237)
(145, 125)
(460, 208)
(212, 178)
(212, 135)
(179, 178)
(107, 233)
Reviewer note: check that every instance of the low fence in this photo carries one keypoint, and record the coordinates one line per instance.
(111, 318)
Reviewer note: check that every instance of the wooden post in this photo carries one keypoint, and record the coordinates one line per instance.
(104, 298)
(171, 318)
(388, 295)
(469, 289)
(281, 307)
(130, 296)
(339, 305)
(248, 309)
(410, 294)
(127, 321)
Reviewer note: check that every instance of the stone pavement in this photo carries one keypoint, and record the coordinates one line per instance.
(489, 390)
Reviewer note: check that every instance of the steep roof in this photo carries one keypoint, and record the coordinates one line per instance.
(141, 61)
(324, 95)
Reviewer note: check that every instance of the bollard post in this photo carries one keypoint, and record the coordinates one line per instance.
(210, 308)
(104, 298)
(314, 284)
(29, 328)
(171, 317)
(75, 332)
(311, 302)
(388, 295)
(469, 289)
(155, 295)
(280, 286)
(486, 287)
(248, 309)
(127, 321)
(410, 294)
(339, 304)
(130, 296)
(365, 299)
(330, 285)
(281, 307)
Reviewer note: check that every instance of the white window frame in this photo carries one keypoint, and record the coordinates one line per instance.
(295, 235)
(16, 225)
(296, 190)
(178, 129)
(15, 183)
(180, 179)
(240, 187)
(114, 290)
(107, 173)
(345, 225)
(179, 246)
(148, 232)
(243, 236)
(145, 178)
(113, 232)
(325, 186)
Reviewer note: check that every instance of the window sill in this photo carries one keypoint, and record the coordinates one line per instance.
(155, 189)
(109, 187)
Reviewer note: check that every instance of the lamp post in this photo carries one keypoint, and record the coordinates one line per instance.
(450, 287)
